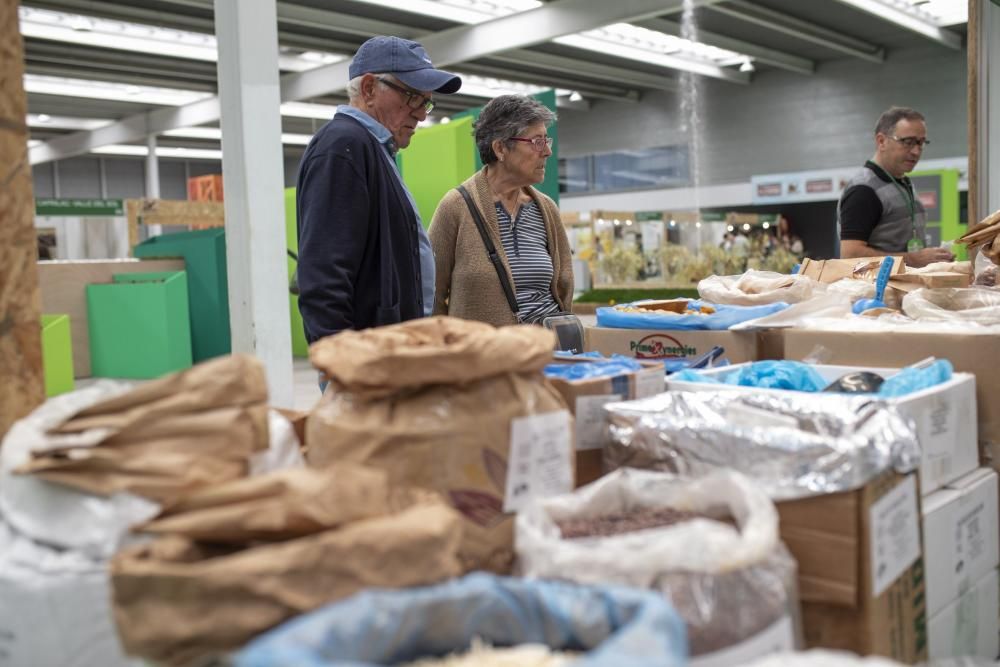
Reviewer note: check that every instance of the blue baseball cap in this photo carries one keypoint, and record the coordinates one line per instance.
(406, 60)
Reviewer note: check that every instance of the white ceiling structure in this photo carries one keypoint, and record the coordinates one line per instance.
(102, 75)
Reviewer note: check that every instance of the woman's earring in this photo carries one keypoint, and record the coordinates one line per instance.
(501, 158)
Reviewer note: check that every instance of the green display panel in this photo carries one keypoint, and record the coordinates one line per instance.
(299, 346)
(550, 185)
(57, 354)
(438, 158)
(139, 325)
(204, 254)
(937, 190)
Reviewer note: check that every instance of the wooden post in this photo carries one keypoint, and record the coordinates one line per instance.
(22, 385)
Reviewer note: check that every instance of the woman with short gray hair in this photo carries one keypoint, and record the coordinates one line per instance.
(521, 223)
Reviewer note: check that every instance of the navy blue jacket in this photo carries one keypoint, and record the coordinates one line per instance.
(359, 257)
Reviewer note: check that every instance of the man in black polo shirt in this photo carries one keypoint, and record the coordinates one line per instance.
(879, 213)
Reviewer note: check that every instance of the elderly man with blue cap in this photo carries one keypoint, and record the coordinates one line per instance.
(364, 257)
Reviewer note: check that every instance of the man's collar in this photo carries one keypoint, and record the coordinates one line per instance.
(885, 175)
(375, 128)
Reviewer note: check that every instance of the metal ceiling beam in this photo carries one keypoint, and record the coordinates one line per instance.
(759, 53)
(804, 30)
(906, 20)
(612, 74)
(449, 47)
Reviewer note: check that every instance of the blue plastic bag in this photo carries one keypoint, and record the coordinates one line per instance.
(723, 317)
(615, 625)
(910, 380)
(793, 375)
(617, 365)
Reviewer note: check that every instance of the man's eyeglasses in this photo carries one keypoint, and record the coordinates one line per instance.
(911, 142)
(413, 100)
(539, 142)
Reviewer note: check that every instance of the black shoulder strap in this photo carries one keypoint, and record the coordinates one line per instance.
(490, 248)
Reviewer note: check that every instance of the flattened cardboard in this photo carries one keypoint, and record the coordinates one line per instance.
(832, 270)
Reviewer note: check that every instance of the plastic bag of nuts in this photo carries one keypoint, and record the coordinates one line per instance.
(710, 545)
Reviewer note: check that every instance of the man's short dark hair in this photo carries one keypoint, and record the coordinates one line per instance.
(887, 121)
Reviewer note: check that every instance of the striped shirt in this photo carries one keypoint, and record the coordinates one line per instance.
(527, 248)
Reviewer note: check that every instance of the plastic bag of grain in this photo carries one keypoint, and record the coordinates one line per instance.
(602, 625)
(754, 288)
(456, 406)
(710, 545)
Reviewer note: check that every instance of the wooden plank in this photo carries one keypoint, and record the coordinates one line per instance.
(64, 291)
(21, 376)
(195, 214)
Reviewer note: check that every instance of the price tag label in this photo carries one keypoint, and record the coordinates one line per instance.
(541, 459)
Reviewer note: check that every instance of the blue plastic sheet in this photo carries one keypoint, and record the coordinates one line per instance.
(793, 375)
(798, 376)
(614, 625)
(910, 380)
(617, 365)
(724, 317)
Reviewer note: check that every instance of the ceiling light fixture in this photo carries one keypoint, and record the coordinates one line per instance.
(144, 38)
(747, 65)
(620, 39)
(161, 151)
(106, 90)
(575, 96)
(907, 15)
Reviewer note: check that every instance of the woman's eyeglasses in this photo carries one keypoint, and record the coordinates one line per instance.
(413, 100)
(539, 143)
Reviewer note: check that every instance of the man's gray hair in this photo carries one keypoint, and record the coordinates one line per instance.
(887, 121)
(505, 117)
(354, 85)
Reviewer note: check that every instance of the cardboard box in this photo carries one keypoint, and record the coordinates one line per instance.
(968, 626)
(664, 344)
(861, 578)
(586, 399)
(63, 286)
(139, 327)
(961, 537)
(944, 416)
(974, 353)
(204, 254)
(832, 270)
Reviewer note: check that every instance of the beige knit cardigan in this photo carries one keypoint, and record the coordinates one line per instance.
(467, 285)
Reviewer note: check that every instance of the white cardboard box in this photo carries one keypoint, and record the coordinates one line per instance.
(961, 537)
(968, 626)
(944, 416)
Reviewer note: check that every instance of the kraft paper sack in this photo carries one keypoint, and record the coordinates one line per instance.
(164, 438)
(434, 402)
(234, 561)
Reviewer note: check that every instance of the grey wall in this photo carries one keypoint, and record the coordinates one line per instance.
(125, 177)
(785, 121)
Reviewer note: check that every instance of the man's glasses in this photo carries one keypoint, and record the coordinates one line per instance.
(911, 142)
(539, 142)
(413, 100)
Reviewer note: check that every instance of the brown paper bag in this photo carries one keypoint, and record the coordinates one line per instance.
(179, 599)
(431, 402)
(284, 505)
(167, 437)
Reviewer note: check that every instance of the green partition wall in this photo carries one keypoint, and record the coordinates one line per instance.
(299, 346)
(438, 158)
(937, 189)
